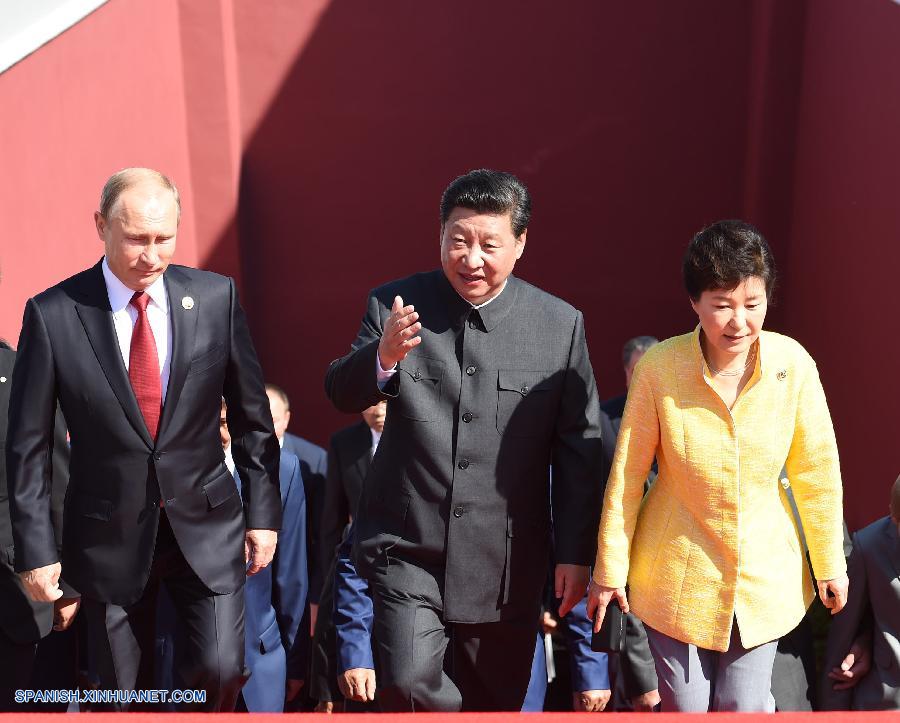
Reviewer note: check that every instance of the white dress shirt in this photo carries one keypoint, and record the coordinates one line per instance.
(376, 438)
(125, 317)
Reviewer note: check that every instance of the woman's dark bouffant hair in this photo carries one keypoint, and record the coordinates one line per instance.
(723, 255)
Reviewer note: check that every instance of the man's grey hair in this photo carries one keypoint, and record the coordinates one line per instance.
(128, 177)
(639, 343)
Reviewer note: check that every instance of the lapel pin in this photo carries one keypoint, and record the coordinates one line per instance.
(2, 380)
(187, 302)
(781, 375)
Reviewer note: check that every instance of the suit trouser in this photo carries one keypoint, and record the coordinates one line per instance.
(122, 640)
(697, 680)
(427, 664)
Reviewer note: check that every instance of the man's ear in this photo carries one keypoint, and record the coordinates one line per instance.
(100, 223)
(520, 244)
(287, 417)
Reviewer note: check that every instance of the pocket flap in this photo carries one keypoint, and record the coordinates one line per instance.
(206, 359)
(523, 382)
(220, 488)
(270, 639)
(93, 507)
(422, 368)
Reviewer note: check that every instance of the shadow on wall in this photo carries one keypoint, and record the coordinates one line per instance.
(627, 122)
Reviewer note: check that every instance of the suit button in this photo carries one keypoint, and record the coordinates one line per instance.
(417, 375)
(471, 370)
(472, 324)
(157, 456)
(467, 417)
(525, 389)
(463, 464)
(458, 511)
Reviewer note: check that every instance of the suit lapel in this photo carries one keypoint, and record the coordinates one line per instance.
(184, 327)
(96, 317)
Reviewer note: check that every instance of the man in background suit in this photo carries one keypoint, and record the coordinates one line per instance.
(139, 353)
(873, 613)
(313, 467)
(488, 383)
(276, 646)
(349, 458)
(30, 655)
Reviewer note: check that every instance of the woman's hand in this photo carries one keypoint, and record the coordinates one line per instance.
(598, 598)
(838, 588)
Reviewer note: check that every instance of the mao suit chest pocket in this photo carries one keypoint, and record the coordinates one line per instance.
(419, 397)
(526, 403)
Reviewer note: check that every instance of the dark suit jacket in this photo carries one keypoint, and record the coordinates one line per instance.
(349, 459)
(477, 413)
(23, 620)
(68, 353)
(274, 600)
(874, 600)
(313, 461)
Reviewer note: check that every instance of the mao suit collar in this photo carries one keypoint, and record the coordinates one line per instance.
(489, 316)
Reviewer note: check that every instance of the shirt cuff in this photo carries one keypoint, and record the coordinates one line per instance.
(382, 375)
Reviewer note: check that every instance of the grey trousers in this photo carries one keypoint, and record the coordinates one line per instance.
(427, 664)
(696, 680)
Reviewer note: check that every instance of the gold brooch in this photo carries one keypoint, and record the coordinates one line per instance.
(781, 375)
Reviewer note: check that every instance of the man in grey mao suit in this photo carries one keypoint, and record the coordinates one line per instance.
(488, 384)
(873, 608)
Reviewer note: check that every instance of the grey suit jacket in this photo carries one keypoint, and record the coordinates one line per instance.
(477, 413)
(874, 599)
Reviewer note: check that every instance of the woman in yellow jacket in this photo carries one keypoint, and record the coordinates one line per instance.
(711, 555)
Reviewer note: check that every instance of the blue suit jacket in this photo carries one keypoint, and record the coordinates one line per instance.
(274, 602)
(353, 612)
(590, 670)
(313, 468)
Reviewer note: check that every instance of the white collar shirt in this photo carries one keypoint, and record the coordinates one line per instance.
(125, 316)
(376, 438)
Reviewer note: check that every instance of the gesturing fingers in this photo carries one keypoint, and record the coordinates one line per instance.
(400, 334)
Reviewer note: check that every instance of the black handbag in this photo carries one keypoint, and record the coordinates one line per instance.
(611, 638)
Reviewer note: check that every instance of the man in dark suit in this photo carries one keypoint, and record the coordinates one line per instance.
(349, 458)
(313, 466)
(488, 383)
(870, 622)
(30, 656)
(139, 354)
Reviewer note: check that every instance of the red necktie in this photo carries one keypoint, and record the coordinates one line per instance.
(143, 365)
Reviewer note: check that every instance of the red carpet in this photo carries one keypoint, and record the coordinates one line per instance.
(837, 717)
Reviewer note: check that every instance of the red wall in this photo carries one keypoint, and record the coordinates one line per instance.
(843, 297)
(312, 141)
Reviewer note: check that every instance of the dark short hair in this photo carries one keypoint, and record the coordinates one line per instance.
(723, 255)
(639, 343)
(487, 191)
(280, 393)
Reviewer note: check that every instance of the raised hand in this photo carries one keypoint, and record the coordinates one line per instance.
(399, 336)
